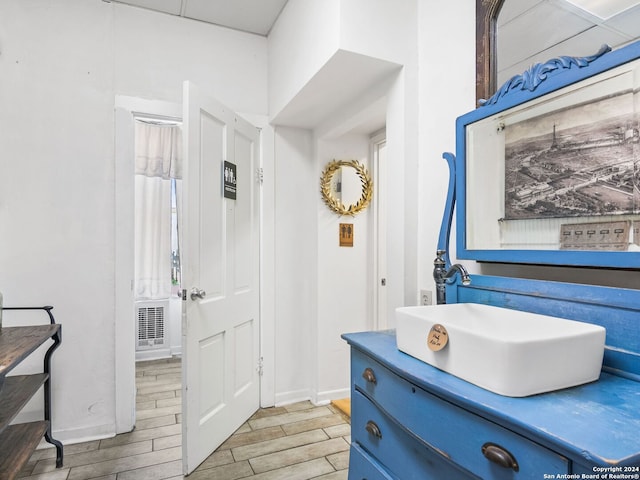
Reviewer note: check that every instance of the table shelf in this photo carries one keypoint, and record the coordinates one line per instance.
(18, 441)
(15, 394)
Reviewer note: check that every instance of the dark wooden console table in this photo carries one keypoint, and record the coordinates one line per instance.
(18, 441)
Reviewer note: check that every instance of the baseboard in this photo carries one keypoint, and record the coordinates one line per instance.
(319, 398)
(324, 398)
(81, 435)
(153, 354)
(294, 396)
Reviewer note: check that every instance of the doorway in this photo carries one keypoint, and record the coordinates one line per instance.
(157, 216)
(126, 111)
(245, 146)
(379, 159)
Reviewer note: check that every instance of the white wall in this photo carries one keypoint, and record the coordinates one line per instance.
(380, 28)
(295, 261)
(345, 274)
(156, 52)
(56, 192)
(446, 90)
(309, 57)
(61, 64)
(303, 39)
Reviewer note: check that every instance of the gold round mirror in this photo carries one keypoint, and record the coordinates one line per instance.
(346, 186)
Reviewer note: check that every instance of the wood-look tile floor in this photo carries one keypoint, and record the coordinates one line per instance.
(295, 442)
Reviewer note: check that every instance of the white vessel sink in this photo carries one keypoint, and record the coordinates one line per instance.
(505, 351)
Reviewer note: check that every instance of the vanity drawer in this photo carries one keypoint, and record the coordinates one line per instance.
(467, 439)
(364, 467)
(403, 456)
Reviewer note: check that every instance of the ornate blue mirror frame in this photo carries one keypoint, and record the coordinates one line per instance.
(547, 171)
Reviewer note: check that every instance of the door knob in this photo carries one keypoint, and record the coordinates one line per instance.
(197, 293)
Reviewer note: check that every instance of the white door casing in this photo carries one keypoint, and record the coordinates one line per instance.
(221, 330)
(381, 304)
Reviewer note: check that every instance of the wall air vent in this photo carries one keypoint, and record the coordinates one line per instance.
(151, 317)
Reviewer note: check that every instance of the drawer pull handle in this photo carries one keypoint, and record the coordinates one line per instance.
(373, 429)
(369, 376)
(498, 455)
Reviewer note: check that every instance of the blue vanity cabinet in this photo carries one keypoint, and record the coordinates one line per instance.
(413, 421)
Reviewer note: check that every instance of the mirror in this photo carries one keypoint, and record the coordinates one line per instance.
(512, 35)
(486, 16)
(346, 186)
(547, 171)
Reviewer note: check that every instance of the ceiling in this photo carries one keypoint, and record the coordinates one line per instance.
(534, 31)
(529, 31)
(254, 16)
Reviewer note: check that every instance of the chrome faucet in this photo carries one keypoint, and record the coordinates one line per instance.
(442, 276)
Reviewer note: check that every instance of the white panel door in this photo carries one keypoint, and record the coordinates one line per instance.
(220, 275)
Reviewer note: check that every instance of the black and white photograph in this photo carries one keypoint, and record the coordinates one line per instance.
(577, 161)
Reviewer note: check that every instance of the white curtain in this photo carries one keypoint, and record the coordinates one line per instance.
(158, 159)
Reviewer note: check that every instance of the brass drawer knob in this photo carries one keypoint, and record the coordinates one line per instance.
(500, 456)
(373, 429)
(369, 376)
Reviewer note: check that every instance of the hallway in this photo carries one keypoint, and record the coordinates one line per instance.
(295, 442)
